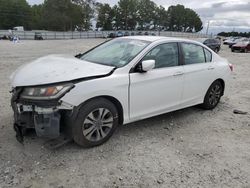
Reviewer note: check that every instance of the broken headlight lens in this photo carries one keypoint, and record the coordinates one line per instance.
(45, 92)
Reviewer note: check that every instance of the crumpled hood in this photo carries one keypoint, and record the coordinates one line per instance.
(56, 68)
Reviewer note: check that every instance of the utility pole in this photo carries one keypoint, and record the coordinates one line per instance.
(207, 27)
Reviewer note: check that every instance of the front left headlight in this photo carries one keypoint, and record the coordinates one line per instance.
(46, 92)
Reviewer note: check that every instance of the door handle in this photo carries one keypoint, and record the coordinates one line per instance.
(178, 73)
(210, 68)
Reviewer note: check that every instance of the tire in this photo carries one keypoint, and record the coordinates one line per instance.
(216, 50)
(213, 95)
(95, 122)
(232, 49)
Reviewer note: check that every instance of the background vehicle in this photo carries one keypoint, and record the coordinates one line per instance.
(237, 40)
(232, 42)
(139, 33)
(213, 44)
(243, 46)
(5, 37)
(18, 28)
(111, 35)
(229, 40)
(38, 36)
(126, 33)
(117, 82)
(119, 34)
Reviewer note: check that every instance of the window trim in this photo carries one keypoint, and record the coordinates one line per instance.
(133, 69)
(206, 57)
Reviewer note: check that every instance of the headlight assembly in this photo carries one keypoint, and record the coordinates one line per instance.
(46, 92)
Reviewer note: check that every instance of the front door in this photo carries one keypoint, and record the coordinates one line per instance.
(158, 90)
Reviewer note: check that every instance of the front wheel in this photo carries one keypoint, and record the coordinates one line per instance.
(96, 121)
(213, 95)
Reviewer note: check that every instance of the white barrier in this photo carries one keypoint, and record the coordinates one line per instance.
(53, 35)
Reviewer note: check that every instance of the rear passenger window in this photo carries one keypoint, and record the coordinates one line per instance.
(193, 54)
(165, 55)
(208, 55)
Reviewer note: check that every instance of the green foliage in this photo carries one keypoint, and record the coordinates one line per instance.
(146, 15)
(65, 15)
(14, 13)
(234, 34)
(127, 12)
(61, 15)
(160, 19)
(183, 19)
(36, 17)
(57, 15)
(105, 16)
(117, 19)
(87, 12)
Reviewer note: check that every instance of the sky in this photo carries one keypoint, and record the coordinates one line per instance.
(222, 15)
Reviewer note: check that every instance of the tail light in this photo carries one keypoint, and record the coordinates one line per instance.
(231, 67)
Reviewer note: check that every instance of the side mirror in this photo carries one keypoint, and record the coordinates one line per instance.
(147, 65)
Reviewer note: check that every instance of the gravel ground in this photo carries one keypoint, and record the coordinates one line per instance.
(186, 148)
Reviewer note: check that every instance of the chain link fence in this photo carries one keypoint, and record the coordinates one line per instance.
(53, 35)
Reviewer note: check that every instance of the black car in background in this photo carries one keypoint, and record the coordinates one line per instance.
(214, 44)
(38, 36)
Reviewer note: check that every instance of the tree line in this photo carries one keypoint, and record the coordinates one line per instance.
(234, 34)
(69, 15)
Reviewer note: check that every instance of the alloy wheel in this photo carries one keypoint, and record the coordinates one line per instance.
(214, 95)
(97, 124)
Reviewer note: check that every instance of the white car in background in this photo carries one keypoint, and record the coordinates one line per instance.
(118, 82)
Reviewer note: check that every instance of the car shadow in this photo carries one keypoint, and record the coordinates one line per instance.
(148, 128)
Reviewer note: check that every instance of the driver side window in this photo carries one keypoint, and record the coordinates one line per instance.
(165, 55)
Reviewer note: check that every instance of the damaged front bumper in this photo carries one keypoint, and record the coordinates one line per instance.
(43, 116)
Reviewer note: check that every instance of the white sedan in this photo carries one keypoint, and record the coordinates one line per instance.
(118, 82)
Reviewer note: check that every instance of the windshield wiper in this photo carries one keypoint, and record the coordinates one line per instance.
(79, 55)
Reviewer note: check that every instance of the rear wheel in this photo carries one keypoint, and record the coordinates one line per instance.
(213, 95)
(96, 121)
(232, 49)
(216, 50)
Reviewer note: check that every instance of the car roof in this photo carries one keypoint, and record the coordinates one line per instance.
(158, 38)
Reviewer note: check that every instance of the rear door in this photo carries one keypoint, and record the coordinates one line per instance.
(198, 73)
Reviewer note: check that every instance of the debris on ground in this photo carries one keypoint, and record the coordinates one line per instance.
(240, 112)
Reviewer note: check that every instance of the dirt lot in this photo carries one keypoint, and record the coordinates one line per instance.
(187, 148)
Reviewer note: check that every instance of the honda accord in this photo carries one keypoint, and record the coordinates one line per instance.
(120, 81)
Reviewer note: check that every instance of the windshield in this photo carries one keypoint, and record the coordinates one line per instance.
(117, 52)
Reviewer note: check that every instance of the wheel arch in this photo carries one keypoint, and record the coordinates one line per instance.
(113, 100)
